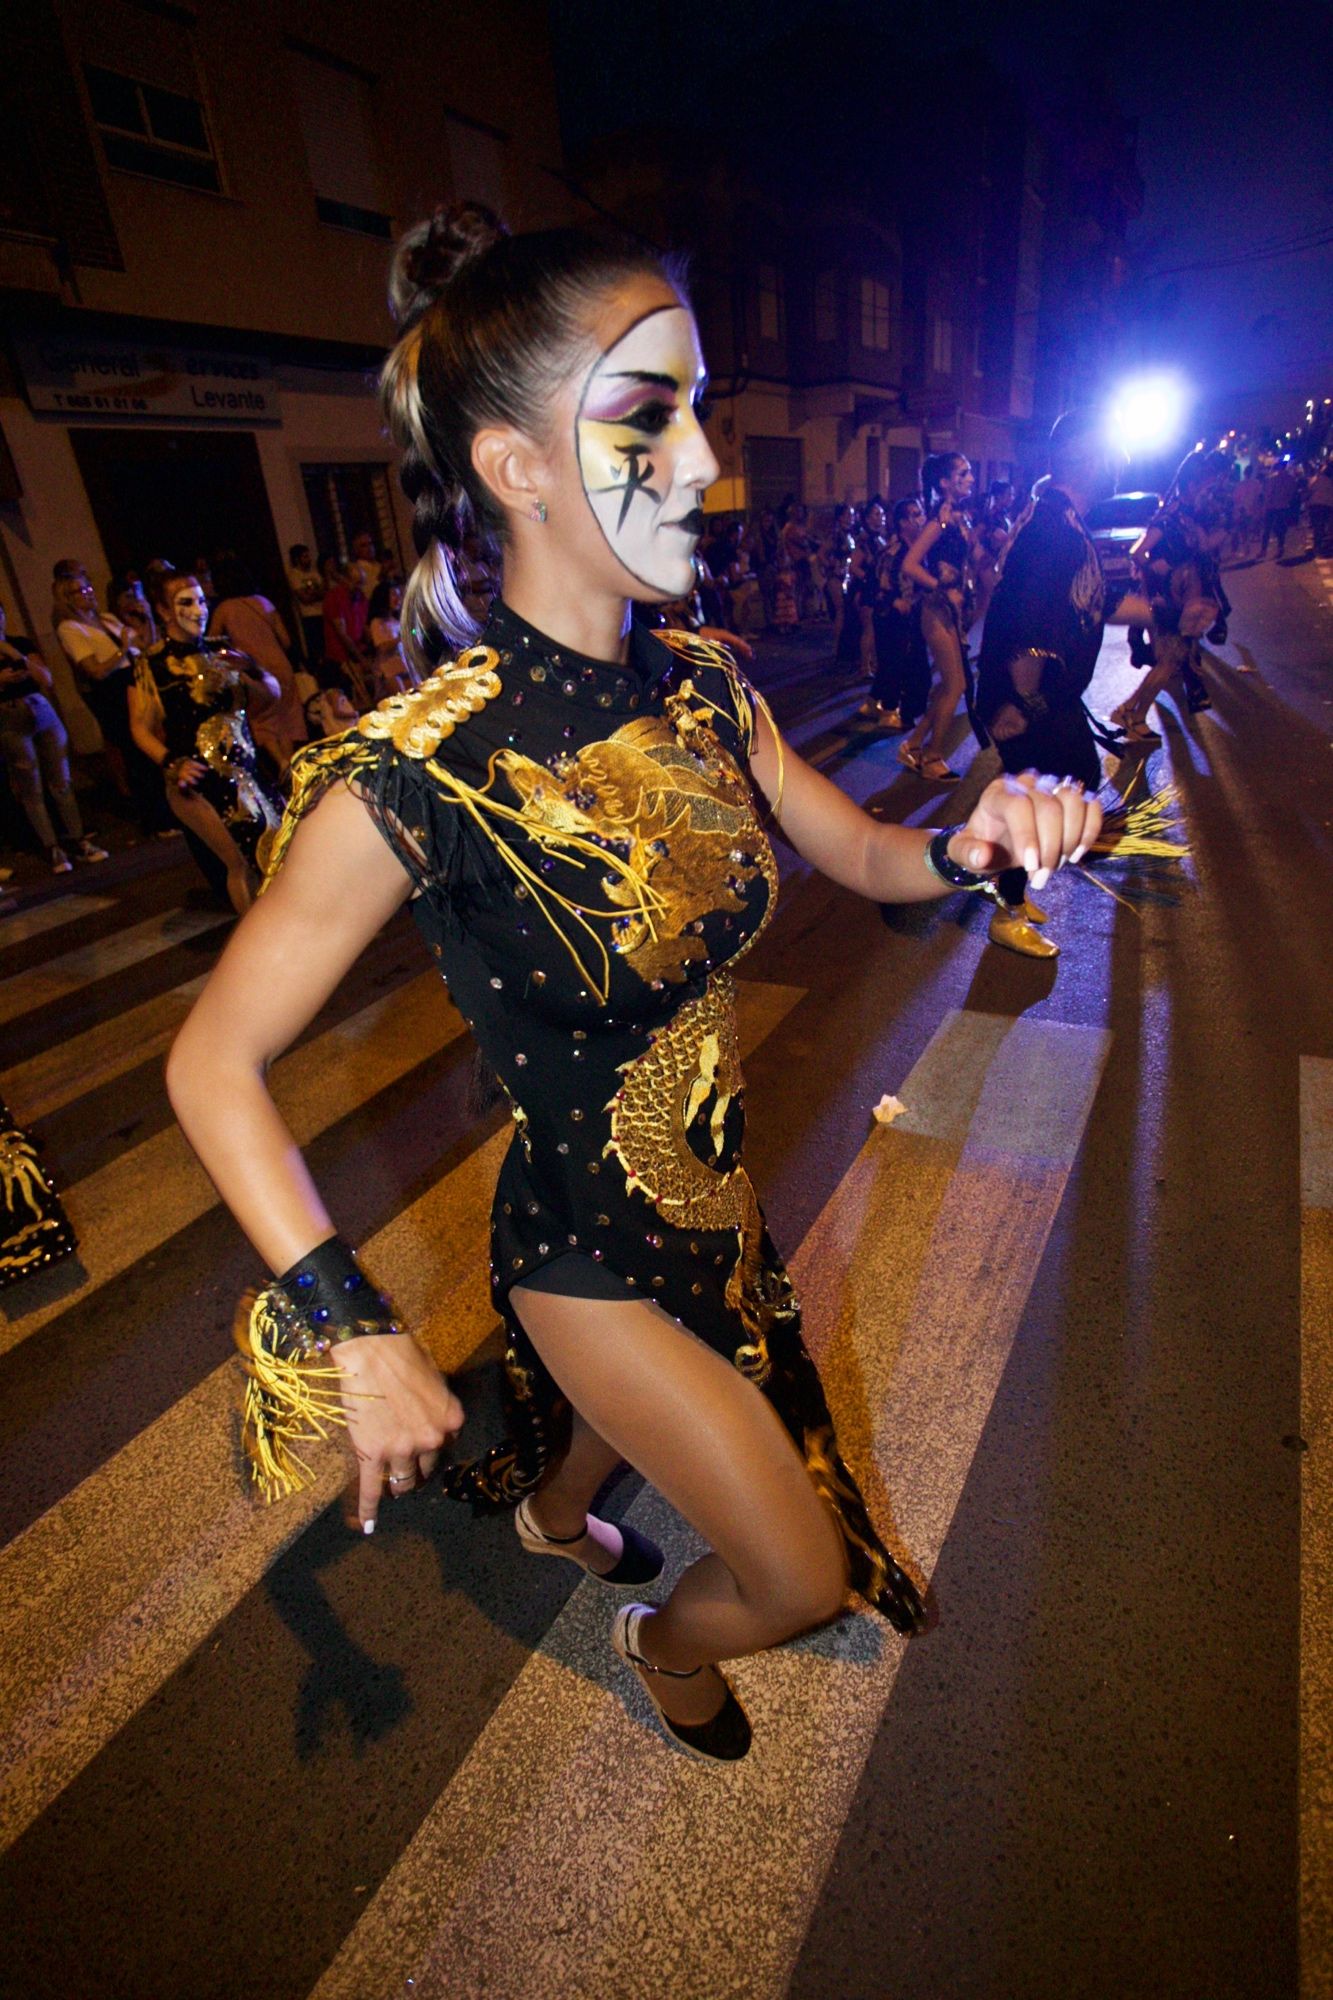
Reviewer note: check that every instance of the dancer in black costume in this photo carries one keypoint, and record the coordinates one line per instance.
(188, 715)
(574, 805)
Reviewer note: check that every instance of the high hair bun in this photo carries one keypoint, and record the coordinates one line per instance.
(432, 254)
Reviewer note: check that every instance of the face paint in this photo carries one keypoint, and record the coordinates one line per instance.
(188, 611)
(643, 458)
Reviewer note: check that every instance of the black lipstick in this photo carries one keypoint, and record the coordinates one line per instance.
(693, 522)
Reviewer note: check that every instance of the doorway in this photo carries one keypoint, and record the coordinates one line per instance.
(182, 495)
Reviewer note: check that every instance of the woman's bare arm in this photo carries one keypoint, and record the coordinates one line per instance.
(914, 562)
(337, 888)
(141, 728)
(1016, 823)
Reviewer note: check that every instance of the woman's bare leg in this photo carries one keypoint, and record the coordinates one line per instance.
(203, 819)
(714, 1447)
(946, 690)
(560, 1505)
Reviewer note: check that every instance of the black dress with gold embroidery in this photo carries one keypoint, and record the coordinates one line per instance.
(590, 867)
(199, 695)
(34, 1229)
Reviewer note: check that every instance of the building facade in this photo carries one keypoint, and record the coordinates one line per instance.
(196, 216)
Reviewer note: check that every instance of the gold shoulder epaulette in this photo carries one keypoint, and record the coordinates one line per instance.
(418, 722)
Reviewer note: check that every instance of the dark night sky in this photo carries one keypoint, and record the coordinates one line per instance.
(1235, 107)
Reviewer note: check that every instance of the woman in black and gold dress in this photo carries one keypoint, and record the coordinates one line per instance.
(574, 805)
(188, 716)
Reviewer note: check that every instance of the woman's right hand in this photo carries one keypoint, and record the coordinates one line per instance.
(400, 1414)
(187, 772)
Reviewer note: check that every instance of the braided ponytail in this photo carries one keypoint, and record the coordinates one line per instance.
(489, 326)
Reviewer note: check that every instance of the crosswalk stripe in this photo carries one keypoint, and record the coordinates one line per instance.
(49, 916)
(1316, 1699)
(137, 1201)
(69, 1069)
(914, 1276)
(94, 1615)
(41, 985)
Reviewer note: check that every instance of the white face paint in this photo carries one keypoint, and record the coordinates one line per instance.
(187, 616)
(643, 458)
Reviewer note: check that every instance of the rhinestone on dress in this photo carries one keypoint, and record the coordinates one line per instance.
(497, 982)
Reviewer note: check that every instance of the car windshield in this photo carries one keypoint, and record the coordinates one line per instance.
(1124, 510)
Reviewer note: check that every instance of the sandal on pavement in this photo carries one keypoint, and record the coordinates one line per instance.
(641, 1561)
(937, 771)
(908, 756)
(725, 1738)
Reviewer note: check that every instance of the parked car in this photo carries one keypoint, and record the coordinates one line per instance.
(1115, 525)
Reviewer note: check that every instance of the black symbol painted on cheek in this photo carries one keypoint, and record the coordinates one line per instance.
(636, 479)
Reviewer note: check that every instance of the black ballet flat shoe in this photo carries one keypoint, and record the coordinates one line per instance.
(725, 1738)
(641, 1561)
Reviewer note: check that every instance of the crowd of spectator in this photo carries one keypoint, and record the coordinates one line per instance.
(326, 655)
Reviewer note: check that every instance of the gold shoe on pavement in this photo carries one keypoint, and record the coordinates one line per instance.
(1011, 929)
(1032, 913)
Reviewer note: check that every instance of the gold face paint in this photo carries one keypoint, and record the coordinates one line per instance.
(643, 458)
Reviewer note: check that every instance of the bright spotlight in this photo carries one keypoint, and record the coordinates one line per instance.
(1147, 414)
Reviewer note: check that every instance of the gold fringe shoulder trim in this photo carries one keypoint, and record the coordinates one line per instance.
(747, 702)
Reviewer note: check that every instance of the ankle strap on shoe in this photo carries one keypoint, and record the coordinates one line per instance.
(557, 1541)
(670, 1673)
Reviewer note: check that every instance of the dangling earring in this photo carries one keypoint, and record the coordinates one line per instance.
(538, 512)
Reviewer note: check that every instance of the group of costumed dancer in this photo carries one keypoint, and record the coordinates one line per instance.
(1036, 584)
(574, 806)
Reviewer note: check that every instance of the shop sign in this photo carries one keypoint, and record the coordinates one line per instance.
(71, 377)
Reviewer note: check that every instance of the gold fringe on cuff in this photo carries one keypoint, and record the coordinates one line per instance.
(290, 1400)
(1142, 829)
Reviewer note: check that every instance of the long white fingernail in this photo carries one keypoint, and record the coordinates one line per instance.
(1041, 878)
(1031, 859)
(1077, 855)
(367, 1527)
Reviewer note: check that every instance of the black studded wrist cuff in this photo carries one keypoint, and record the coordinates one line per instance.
(330, 1299)
(938, 861)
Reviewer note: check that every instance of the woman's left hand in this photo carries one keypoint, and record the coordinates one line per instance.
(1030, 822)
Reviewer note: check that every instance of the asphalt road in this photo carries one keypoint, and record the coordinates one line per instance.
(1075, 1308)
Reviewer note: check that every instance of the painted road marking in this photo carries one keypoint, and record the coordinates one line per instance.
(24, 992)
(136, 1202)
(70, 1069)
(95, 1615)
(1316, 1725)
(912, 1346)
(25, 924)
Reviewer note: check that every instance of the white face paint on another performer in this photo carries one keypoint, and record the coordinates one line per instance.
(187, 611)
(643, 458)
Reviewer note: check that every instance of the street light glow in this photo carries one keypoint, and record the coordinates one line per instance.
(1147, 414)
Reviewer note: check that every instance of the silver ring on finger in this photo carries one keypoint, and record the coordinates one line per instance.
(402, 1478)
